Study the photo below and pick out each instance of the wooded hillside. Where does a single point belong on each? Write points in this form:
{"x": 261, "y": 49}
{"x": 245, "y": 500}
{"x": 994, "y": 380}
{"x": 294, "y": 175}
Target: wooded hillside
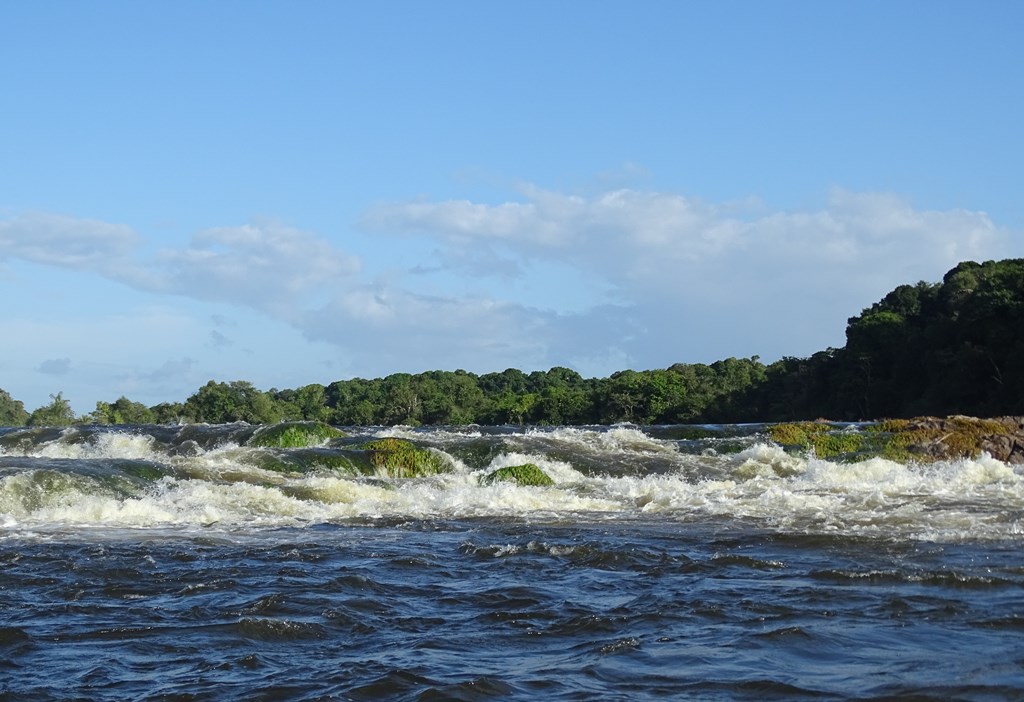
{"x": 955, "y": 347}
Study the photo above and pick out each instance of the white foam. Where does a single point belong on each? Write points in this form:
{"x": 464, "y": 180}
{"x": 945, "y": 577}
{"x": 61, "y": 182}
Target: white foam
{"x": 947, "y": 500}
{"x": 616, "y": 439}
{"x": 402, "y": 431}
{"x": 113, "y": 444}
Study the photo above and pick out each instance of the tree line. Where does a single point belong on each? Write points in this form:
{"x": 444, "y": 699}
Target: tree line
{"x": 955, "y": 347}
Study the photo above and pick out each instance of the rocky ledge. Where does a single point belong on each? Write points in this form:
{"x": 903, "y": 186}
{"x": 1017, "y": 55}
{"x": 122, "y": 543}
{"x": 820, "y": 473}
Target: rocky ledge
{"x": 955, "y": 437}
{"x": 919, "y": 438}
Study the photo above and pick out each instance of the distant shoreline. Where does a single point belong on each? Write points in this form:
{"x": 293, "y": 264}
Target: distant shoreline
{"x": 942, "y": 349}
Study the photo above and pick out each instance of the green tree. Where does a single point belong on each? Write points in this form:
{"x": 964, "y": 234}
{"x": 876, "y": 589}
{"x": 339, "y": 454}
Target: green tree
{"x": 510, "y": 408}
{"x": 168, "y": 413}
{"x": 401, "y": 402}
{"x": 509, "y": 380}
{"x": 311, "y": 401}
{"x": 12, "y": 412}
{"x": 450, "y": 397}
{"x": 622, "y": 398}
{"x": 121, "y": 411}
{"x": 56, "y": 414}
{"x": 642, "y": 397}
{"x": 701, "y": 391}
{"x": 565, "y": 397}
{"x": 566, "y": 404}
{"x": 237, "y": 401}
{"x": 353, "y": 402}
{"x": 950, "y": 348}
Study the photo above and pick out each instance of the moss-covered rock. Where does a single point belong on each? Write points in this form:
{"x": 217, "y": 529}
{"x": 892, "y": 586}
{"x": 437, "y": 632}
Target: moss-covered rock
{"x": 921, "y": 438}
{"x": 294, "y": 435}
{"x": 525, "y": 474}
{"x": 938, "y": 438}
{"x": 826, "y": 440}
{"x": 398, "y": 458}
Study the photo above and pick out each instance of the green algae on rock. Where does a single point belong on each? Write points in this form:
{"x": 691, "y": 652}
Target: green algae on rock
{"x": 826, "y": 440}
{"x": 399, "y": 458}
{"x": 526, "y": 474}
{"x": 294, "y": 435}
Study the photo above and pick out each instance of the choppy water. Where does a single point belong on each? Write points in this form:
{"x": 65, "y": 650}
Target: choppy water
{"x": 164, "y": 563}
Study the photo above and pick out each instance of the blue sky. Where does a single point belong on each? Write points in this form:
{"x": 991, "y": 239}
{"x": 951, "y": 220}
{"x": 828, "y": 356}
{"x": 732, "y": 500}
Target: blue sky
{"x": 293, "y": 193}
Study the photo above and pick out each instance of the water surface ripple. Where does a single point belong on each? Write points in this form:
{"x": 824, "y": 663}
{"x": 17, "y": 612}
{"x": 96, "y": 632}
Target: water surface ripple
{"x": 130, "y": 572}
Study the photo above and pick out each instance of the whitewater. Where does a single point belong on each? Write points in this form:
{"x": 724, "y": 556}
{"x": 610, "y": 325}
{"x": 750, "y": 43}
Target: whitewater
{"x": 182, "y": 562}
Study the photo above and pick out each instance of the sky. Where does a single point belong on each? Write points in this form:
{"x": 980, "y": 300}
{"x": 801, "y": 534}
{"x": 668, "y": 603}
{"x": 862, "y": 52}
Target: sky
{"x": 301, "y": 192}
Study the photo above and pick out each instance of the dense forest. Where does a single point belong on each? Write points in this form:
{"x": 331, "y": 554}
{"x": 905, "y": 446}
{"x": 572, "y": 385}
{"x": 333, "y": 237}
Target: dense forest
{"x": 955, "y": 347}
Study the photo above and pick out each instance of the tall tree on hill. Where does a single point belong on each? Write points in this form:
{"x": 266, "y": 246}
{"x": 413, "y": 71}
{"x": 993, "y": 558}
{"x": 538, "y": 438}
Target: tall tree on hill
{"x": 955, "y": 347}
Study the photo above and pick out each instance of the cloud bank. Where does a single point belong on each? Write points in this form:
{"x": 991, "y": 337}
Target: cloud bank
{"x": 639, "y": 239}
{"x": 682, "y": 279}
{"x": 695, "y": 280}
{"x": 67, "y": 242}
{"x": 269, "y": 266}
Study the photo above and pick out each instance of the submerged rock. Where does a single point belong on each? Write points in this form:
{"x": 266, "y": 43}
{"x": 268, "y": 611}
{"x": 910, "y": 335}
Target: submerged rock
{"x": 525, "y": 474}
{"x": 315, "y": 460}
{"x": 479, "y": 453}
{"x": 398, "y": 458}
{"x": 187, "y": 448}
{"x": 294, "y": 435}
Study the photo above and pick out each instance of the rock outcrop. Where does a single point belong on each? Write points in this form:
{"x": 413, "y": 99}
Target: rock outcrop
{"x": 525, "y": 474}
{"x": 938, "y": 438}
{"x": 919, "y": 439}
{"x": 294, "y": 435}
{"x": 398, "y": 458}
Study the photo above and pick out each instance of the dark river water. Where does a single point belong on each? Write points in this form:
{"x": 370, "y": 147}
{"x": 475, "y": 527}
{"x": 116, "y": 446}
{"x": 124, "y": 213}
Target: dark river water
{"x": 656, "y": 566}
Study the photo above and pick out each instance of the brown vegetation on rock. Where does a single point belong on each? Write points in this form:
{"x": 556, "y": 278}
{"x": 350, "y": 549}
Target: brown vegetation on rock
{"x": 959, "y": 437}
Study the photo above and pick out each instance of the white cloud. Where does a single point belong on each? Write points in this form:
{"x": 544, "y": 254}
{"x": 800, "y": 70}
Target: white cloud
{"x": 690, "y": 280}
{"x": 626, "y": 234}
{"x": 171, "y": 370}
{"x": 387, "y": 329}
{"x": 267, "y": 266}
{"x": 703, "y": 280}
{"x": 68, "y": 242}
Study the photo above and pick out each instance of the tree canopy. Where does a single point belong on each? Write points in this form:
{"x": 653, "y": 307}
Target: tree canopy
{"x": 955, "y": 347}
